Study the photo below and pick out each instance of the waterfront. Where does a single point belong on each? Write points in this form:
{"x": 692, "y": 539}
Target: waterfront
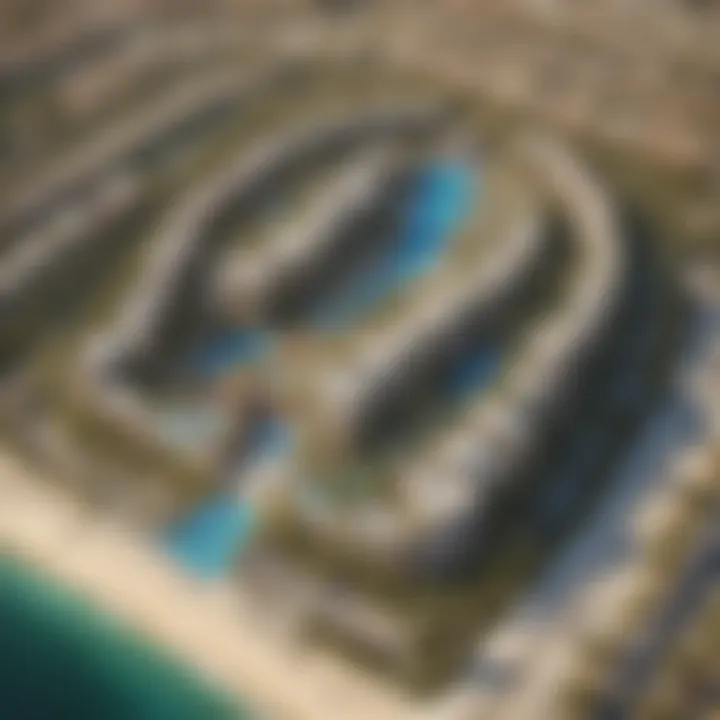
{"x": 62, "y": 660}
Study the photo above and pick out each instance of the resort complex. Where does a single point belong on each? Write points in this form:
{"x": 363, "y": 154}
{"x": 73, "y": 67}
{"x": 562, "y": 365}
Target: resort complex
{"x": 360, "y": 360}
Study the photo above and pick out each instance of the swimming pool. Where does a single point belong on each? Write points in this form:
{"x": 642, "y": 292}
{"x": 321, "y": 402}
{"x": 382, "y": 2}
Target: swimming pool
{"x": 441, "y": 198}
{"x": 209, "y": 540}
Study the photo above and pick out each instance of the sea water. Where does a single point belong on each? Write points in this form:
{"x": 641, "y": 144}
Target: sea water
{"x": 63, "y": 660}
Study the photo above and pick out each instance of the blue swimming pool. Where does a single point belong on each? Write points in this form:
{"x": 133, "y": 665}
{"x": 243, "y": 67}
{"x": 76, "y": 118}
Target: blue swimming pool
{"x": 209, "y": 540}
{"x": 441, "y": 198}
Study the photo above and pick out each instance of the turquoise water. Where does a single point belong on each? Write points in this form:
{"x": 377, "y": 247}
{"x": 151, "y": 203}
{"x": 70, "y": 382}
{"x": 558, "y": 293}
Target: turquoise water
{"x": 210, "y": 540}
{"x": 441, "y": 199}
{"x": 63, "y": 660}
{"x": 194, "y": 425}
{"x": 214, "y": 535}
